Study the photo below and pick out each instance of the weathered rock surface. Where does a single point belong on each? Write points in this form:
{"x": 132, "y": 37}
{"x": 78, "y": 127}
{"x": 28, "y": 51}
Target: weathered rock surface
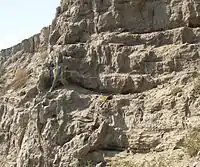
{"x": 145, "y": 54}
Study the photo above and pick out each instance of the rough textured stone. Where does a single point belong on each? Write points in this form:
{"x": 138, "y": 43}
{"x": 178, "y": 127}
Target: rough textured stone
{"x": 133, "y": 87}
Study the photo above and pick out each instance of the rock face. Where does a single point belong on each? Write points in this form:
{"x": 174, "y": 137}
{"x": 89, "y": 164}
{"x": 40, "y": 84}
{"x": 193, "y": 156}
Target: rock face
{"x": 133, "y": 87}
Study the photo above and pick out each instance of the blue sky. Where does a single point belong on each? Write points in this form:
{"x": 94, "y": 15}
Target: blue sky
{"x": 20, "y": 19}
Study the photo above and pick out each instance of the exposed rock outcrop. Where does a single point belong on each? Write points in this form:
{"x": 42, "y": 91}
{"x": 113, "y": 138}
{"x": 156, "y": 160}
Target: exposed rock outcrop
{"x": 132, "y": 69}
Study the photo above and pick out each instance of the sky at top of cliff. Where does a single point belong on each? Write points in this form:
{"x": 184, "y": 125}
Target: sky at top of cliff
{"x": 20, "y": 19}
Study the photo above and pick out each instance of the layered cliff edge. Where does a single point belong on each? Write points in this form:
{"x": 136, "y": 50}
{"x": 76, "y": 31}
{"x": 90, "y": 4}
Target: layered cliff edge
{"x": 132, "y": 97}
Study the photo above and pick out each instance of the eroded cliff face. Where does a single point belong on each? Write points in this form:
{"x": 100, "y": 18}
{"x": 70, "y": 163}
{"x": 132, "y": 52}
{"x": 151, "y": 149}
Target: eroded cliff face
{"x": 143, "y": 54}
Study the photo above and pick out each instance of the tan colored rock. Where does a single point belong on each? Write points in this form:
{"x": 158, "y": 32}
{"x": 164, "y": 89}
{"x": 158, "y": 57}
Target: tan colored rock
{"x": 143, "y": 55}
